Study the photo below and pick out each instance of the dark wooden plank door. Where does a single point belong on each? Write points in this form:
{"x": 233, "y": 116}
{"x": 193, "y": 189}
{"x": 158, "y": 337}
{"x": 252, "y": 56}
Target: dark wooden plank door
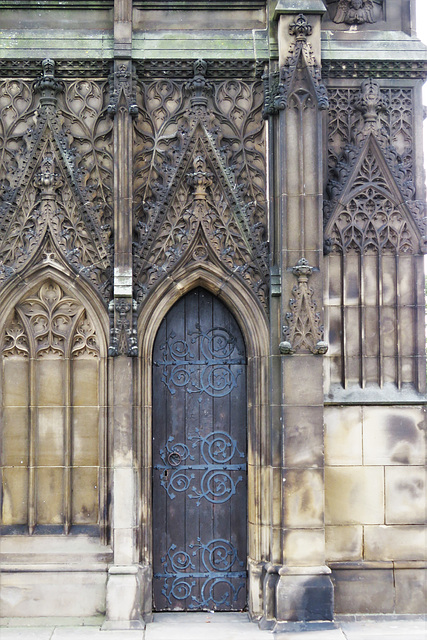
{"x": 199, "y": 458}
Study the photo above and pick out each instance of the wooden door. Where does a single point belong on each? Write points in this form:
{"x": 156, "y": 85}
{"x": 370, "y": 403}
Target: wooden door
{"x": 199, "y": 458}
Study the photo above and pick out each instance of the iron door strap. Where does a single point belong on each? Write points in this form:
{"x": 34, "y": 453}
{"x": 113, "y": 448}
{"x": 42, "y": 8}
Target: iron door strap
{"x": 220, "y": 476}
{"x": 222, "y": 577}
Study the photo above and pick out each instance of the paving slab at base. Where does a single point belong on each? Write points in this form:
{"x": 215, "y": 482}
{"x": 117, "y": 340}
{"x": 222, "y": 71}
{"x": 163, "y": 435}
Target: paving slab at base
{"x": 386, "y": 630}
{"x": 15, "y": 633}
{"x": 203, "y": 626}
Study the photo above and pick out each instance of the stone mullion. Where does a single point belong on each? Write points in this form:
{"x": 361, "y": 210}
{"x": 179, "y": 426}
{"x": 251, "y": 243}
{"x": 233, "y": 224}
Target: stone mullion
{"x": 33, "y": 415}
{"x": 302, "y": 587}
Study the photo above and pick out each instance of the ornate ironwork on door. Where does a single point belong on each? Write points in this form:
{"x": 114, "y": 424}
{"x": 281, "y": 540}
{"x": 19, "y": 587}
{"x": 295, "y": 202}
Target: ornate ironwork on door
{"x": 199, "y": 458}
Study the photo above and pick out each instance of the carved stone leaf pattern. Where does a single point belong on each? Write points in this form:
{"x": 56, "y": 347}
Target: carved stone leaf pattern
{"x": 17, "y": 116}
{"x": 22, "y": 236}
{"x": 224, "y": 126}
{"x": 15, "y": 342}
{"x": 85, "y": 340}
{"x": 89, "y": 131}
{"x": 244, "y": 147}
{"x": 49, "y": 316}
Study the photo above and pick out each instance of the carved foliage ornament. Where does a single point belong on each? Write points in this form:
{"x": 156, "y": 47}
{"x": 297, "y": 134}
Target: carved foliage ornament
{"x": 300, "y": 71}
{"x": 199, "y": 174}
{"x": 303, "y": 331}
{"x": 123, "y": 328}
{"x": 56, "y": 176}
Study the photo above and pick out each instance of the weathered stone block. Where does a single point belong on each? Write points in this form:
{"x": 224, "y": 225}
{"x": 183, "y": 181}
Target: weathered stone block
{"x": 395, "y": 543}
{"x": 50, "y": 436}
{"x": 363, "y": 590}
{"x": 405, "y": 495}
{"x": 123, "y": 599}
{"x": 85, "y": 382}
{"x": 393, "y": 435}
{"x": 49, "y": 499}
{"x": 343, "y": 436}
{"x": 303, "y": 436}
{"x": 15, "y": 443}
{"x": 354, "y": 495}
{"x": 304, "y": 598}
{"x": 15, "y": 389}
{"x": 411, "y": 590}
{"x": 85, "y": 434}
{"x": 85, "y": 482}
{"x": 14, "y": 509}
{"x": 303, "y": 498}
{"x": 344, "y": 543}
{"x": 303, "y": 547}
{"x": 50, "y": 387}
{"x": 302, "y": 375}
{"x": 43, "y": 594}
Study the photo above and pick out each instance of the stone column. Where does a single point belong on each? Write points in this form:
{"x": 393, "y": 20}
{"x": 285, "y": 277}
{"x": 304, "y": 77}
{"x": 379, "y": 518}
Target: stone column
{"x": 123, "y": 587}
{"x": 298, "y": 585}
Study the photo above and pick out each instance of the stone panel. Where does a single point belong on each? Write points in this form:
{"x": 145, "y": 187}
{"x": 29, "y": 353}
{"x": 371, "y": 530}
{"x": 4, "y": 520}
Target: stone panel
{"x": 343, "y": 436}
{"x": 411, "y": 590}
{"x": 49, "y": 498}
{"x": 398, "y": 543}
{"x": 303, "y": 547}
{"x": 15, "y": 436}
{"x": 344, "y": 543}
{"x": 354, "y": 495}
{"x": 405, "y": 495}
{"x": 15, "y": 389}
{"x": 303, "y": 436}
{"x": 85, "y": 382}
{"x": 14, "y": 507}
{"x": 303, "y": 498}
{"x": 363, "y": 590}
{"x": 393, "y": 435}
{"x": 44, "y": 594}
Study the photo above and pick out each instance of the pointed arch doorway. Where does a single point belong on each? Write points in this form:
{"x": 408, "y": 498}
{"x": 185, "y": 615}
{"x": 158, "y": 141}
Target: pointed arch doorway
{"x": 199, "y": 458}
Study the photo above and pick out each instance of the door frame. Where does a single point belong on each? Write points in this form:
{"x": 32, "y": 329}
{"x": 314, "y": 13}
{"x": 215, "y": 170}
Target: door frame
{"x": 253, "y": 323}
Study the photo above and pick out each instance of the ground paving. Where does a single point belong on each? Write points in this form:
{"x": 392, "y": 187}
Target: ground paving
{"x": 219, "y": 626}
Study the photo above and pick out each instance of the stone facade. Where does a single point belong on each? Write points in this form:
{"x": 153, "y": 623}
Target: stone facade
{"x": 268, "y": 151}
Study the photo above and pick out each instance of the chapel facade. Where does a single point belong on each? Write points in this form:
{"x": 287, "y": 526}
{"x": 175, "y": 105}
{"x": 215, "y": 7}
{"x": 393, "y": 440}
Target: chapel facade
{"x": 213, "y": 374}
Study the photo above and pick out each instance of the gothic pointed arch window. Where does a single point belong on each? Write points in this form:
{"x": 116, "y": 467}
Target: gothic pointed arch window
{"x": 52, "y": 424}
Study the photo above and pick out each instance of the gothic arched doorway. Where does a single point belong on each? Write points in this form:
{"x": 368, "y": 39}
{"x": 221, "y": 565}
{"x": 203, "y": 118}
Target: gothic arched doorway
{"x": 199, "y": 458}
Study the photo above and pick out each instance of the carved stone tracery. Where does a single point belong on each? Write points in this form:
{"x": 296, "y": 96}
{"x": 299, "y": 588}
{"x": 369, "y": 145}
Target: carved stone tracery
{"x": 371, "y": 170}
{"x": 199, "y": 164}
{"x": 55, "y": 175}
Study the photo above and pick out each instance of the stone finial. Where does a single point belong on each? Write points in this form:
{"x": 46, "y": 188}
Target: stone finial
{"x": 198, "y": 87}
{"x": 301, "y": 29}
{"x": 47, "y": 85}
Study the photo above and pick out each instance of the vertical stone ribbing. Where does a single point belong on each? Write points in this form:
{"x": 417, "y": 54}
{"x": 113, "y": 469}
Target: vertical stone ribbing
{"x": 302, "y": 589}
{"x": 123, "y": 592}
